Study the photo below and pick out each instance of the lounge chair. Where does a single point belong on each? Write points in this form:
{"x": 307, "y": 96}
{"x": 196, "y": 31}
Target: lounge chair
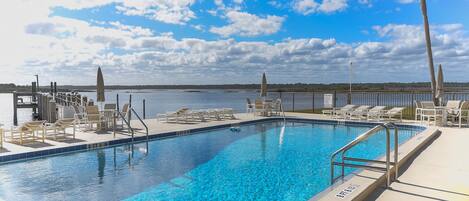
{"x": 342, "y": 112}
{"x": 359, "y": 112}
{"x": 460, "y": 113}
{"x": 427, "y": 112}
{"x": 60, "y": 125}
{"x": 418, "y": 108}
{"x": 277, "y": 107}
{"x": 123, "y": 114}
{"x": 249, "y": 106}
{"x": 93, "y": 116}
{"x": 227, "y": 113}
{"x": 196, "y": 115}
{"x": 28, "y": 132}
{"x": 396, "y": 111}
{"x": 79, "y": 115}
{"x": 376, "y": 113}
{"x": 452, "y": 106}
{"x": 177, "y": 116}
{"x": 109, "y": 113}
{"x": 259, "y": 107}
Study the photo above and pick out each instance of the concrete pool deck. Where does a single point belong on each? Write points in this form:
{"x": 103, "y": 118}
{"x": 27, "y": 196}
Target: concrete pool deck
{"x": 439, "y": 172}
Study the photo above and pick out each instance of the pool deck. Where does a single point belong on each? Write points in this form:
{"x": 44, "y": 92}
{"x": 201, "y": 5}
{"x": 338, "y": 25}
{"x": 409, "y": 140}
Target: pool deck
{"x": 439, "y": 172}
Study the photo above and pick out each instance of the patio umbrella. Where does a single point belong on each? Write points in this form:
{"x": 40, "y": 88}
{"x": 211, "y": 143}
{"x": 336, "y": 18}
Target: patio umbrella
{"x": 100, "y": 86}
{"x": 264, "y": 86}
{"x": 440, "y": 92}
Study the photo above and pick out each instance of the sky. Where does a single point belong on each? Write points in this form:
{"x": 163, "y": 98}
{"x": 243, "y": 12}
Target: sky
{"x": 141, "y": 42}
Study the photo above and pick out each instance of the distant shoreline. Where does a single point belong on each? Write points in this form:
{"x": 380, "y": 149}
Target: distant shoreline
{"x": 298, "y": 87}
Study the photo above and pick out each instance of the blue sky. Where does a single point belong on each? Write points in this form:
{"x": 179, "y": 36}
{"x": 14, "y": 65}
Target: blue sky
{"x": 230, "y": 41}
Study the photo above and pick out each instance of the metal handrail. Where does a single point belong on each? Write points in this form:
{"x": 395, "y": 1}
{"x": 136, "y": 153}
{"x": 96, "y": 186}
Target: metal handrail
{"x": 283, "y": 112}
{"x": 141, "y": 120}
{"x": 361, "y": 138}
{"x": 126, "y": 122}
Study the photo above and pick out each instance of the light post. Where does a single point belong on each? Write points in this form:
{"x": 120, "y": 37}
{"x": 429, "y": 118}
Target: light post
{"x": 37, "y": 82}
{"x": 349, "y": 97}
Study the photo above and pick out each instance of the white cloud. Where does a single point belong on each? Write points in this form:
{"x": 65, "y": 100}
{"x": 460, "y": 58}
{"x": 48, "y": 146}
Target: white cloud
{"x": 168, "y": 11}
{"x": 246, "y": 24}
{"x": 68, "y": 51}
{"x": 307, "y": 7}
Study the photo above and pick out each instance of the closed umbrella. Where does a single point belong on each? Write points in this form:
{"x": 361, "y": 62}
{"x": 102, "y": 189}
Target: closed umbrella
{"x": 264, "y": 86}
{"x": 440, "y": 92}
{"x": 100, "y": 86}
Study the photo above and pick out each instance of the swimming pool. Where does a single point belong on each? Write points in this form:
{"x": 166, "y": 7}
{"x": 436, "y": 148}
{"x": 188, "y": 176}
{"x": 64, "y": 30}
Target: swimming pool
{"x": 256, "y": 163}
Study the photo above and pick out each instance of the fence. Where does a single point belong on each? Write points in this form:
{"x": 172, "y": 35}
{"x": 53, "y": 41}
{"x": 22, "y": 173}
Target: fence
{"x": 314, "y": 101}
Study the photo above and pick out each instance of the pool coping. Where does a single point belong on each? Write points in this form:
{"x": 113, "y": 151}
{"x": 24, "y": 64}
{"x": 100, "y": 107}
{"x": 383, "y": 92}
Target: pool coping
{"x": 362, "y": 183}
{"x": 34, "y": 154}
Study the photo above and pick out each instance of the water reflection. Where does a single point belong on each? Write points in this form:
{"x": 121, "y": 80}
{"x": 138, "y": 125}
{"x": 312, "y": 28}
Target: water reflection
{"x": 261, "y": 129}
{"x": 101, "y": 164}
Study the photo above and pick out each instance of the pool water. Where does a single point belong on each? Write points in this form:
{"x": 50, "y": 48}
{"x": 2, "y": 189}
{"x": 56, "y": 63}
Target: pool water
{"x": 256, "y": 163}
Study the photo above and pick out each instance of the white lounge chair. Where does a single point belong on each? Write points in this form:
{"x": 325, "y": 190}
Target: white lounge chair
{"x": 79, "y": 115}
{"x": 176, "y": 116}
{"x": 460, "y": 113}
{"x": 342, "y": 112}
{"x": 358, "y": 112}
{"x": 375, "y": 113}
{"x": 332, "y": 111}
{"x": 227, "y": 113}
{"x": 452, "y": 106}
{"x": 249, "y": 106}
{"x": 427, "y": 112}
{"x": 259, "y": 107}
{"x": 396, "y": 111}
{"x": 277, "y": 107}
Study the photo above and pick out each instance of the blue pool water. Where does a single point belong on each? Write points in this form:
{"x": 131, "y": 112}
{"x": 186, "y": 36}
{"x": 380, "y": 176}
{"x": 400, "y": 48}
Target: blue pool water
{"x": 257, "y": 163}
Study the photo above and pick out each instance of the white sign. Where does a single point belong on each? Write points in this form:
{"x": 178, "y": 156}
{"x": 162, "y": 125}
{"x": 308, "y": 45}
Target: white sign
{"x": 328, "y": 100}
{"x": 347, "y": 191}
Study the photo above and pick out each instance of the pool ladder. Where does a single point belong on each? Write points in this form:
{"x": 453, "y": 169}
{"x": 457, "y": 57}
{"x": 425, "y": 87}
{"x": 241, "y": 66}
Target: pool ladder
{"x": 127, "y": 122}
{"x": 387, "y": 169}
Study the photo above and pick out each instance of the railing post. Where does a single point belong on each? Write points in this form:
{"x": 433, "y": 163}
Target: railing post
{"x": 144, "y": 109}
{"x": 388, "y": 157}
{"x": 130, "y": 106}
{"x": 412, "y": 104}
{"x": 15, "y": 108}
{"x": 313, "y": 101}
{"x": 343, "y": 166}
{"x": 396, "y": 151}
{"x": 117, "y": 102}
{"x": 335, "y": 99}
{"x": 332, "y": 170}
{"x": 293, "y": 103}
{"x": 377, "y": 98}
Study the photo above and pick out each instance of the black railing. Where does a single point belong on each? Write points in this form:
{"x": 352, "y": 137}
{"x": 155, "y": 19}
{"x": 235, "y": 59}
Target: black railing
{"x": 314, "y": 101}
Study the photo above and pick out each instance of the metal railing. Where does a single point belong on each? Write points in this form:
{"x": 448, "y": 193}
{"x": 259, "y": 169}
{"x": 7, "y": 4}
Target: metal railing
{"x": 124, "y": 119}
{"x": 141, "y": 120}
{"x": 387, "y": 169}
{"x": 283, "y": 113}
{"x": 314, "y": 100}
{"x": 127, "y": 122}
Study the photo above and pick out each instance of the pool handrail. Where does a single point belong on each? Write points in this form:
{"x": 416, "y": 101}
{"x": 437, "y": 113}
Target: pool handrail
{"x": 126, "y": 122}
{"x": 361, "y": 138}
{"x": 141, "y": 121}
